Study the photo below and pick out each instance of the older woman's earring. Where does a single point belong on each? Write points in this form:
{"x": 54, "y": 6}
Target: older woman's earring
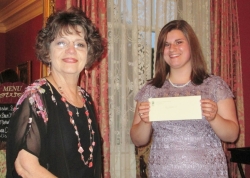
{"x": 49, "y": 69}
{"x": 86, "y": 77}
{"x": 86, "y": 72}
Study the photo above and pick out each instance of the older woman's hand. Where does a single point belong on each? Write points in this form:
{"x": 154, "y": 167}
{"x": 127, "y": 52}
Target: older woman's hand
{"x": 209, "y": 109}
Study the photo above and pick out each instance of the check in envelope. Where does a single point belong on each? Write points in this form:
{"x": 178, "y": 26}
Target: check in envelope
{"x": 175, "y": 108}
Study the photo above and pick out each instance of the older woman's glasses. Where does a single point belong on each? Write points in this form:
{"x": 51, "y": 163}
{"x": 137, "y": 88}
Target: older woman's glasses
{"x": 63, "y": 43}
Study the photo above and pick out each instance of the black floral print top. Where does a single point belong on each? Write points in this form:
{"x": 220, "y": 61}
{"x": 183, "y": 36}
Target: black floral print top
{"x": 41, "y": 125}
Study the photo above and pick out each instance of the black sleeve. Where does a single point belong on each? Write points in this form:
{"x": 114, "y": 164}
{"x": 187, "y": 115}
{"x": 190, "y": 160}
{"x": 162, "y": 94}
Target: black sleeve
{"x": 24, "y": 132}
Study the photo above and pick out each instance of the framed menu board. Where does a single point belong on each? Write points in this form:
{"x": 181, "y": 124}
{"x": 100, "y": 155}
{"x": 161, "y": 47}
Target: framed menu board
{"x": 6, "y": 111}
{"x": 9, "y": 95}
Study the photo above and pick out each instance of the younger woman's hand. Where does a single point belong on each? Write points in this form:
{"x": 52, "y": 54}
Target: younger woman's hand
{"x": 209, "y": 109}
{"x": 143, "y": 111}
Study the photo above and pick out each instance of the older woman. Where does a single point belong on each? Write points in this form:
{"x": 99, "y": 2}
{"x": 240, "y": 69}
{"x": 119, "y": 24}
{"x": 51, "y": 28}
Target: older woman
{"x": 53, "y": 131}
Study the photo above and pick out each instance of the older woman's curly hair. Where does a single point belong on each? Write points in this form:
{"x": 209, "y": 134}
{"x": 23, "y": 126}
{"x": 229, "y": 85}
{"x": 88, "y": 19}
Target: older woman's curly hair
{"x": 61, "y": 22}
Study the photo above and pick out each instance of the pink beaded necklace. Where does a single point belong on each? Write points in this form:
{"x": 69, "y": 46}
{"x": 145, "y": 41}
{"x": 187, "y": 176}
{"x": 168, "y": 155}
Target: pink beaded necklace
{"x": 88, "y": 161}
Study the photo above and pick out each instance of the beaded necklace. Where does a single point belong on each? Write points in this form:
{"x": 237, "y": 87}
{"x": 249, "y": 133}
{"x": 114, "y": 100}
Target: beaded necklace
{"x": 89, "y": 161}
{"x": 179, "y": 86}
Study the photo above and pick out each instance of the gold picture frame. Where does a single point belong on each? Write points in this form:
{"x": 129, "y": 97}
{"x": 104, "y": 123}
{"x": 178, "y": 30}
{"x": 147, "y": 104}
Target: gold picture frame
{"x": 48, "y": 8}
{"x": 24, "y": 72}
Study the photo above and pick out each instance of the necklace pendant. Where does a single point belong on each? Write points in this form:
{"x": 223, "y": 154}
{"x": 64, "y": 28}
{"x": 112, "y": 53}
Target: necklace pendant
{"x": 77, "y": 113}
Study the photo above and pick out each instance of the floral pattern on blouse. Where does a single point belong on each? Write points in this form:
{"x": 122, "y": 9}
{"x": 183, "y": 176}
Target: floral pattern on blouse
{"x": 35, "y": 99}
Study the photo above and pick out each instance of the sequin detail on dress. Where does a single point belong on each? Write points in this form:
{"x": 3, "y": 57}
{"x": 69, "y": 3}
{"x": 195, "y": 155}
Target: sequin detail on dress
{"x": 186, "y": 149}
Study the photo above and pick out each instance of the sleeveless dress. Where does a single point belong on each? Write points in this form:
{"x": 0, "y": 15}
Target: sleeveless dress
{"x": 186, "y": 149}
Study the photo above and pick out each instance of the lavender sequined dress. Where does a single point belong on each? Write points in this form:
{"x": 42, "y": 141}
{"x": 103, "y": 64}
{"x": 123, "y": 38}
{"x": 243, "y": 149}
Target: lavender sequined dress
{"x": 186, "y": 149}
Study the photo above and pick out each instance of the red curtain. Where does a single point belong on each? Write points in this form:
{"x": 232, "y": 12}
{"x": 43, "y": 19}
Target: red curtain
{"x": 95, "y": 81}
{"x": 226, "y": 59}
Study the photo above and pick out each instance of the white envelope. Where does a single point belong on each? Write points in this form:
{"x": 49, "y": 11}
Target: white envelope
{"x": 175, "y": 108}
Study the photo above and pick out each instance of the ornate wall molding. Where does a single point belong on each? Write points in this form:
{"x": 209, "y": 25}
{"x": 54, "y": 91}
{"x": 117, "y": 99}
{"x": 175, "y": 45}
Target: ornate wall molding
{"x": 19, "y": 12}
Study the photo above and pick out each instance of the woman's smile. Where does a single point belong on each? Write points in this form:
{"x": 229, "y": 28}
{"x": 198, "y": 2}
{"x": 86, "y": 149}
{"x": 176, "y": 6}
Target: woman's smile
{"x": 70, "y": 60}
